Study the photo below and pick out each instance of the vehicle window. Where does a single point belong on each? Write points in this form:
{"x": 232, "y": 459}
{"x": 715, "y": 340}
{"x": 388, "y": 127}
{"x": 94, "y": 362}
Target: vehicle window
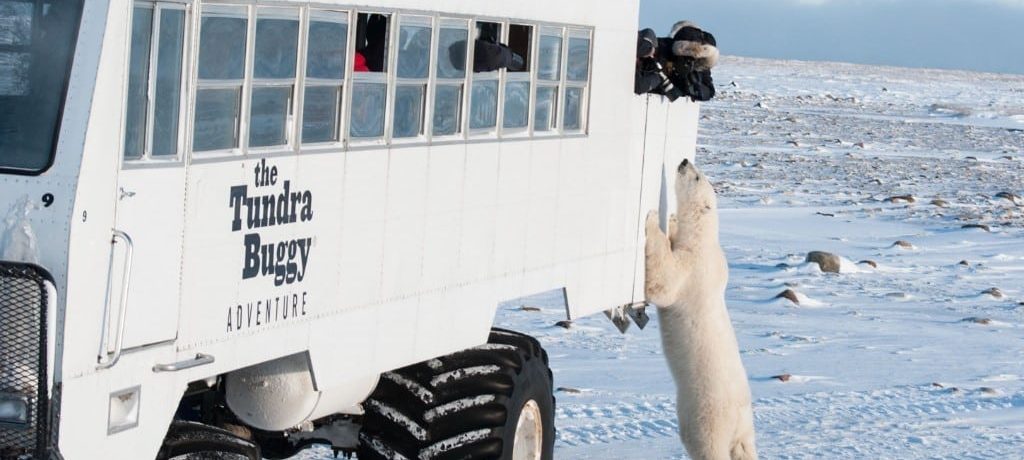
{"x": 550, "y": 55}
{"x": 368, "y": 102}
{"x": 138, "y": 83}
{"x": 549, "y": 71}
{"x": 573, "y": 104}
{"x": 414, "y": 36}
{"x": 153, "y": 131}
{"x": 544, "y": 110}
{"x": 372, "y": 31}
{"x": 325, "y": 76}
{"x": 409, "y": 101}
{"x": 517, "y": 88}
{"x": 37, "y": 41}
{"x": 517, "y": 104}
{"x": 222, "y": 43}
{"x": 578, "y": 65}
{"x": 577, "y": 74}
{"x": 483, "y": 110}
{"x": 520, "y": 41}
{"x": 168, "y": 85}
{"x": 450, "y": 77}
{"x": 274, "y": 63}
{"x": 369, "y": 85}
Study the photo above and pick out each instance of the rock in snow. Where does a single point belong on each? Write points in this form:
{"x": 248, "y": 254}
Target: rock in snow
{"x": 827, "y": 261}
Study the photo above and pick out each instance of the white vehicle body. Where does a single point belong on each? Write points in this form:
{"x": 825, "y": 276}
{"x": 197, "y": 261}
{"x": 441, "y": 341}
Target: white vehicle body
{"x": 385, "y": 251}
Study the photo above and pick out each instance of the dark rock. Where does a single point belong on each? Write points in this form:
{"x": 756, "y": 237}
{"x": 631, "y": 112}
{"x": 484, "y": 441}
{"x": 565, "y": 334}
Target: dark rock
{"x": 526, "y": 308}
{"x": 977, "y": 320}
{"x": 564, "y": 324}
{"x": 782, "y": 266}
{"x": 572, "y": 391}
{"x": 782, "y": 377}
{"x": 1011, "y": 197}
{"x": 901, "y": 199}
{"x": 825, "y": 214}
{"x": 971, "y": 158}
{"x": 789, "y": 295}
{"x": 826, "y": 261}
{"x": 937, "y": 385}
{"x": 988, "y": 390}
{"x": 994, "y": 292}
{"x": 870, "y": 263}
{"x": 979, "y": 226}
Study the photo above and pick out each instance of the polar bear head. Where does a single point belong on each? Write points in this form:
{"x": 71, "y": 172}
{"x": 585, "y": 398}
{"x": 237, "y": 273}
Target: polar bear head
{"x": 694, "y": 193}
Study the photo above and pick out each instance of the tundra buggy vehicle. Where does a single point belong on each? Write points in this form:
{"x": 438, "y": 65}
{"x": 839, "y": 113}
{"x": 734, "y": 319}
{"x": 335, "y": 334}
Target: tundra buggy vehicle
{"x": 236, "y": 228}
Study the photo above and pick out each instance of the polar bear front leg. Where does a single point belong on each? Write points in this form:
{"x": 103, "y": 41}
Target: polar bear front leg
{"x": 664, "y": 277}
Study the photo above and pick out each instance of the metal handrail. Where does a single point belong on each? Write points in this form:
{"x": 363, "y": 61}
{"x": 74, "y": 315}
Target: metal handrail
{"x": 201, "y": 359}
{"x": 106, "y": 359}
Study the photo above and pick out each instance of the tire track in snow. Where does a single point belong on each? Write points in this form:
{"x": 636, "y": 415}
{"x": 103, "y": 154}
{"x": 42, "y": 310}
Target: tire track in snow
{"x": 897, "y": 422}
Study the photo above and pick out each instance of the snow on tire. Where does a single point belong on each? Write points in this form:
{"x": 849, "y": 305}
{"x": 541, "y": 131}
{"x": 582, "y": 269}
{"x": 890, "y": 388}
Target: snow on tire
{"x": 467, "y": 405}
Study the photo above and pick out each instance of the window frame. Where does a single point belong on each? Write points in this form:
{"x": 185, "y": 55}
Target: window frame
{"x": 529, "y": 77}
{"x": 450, "y": 22}
{"x": 497, "y": 75}
{"x": 557, "y": 84}
{"x": 386, "y": 78}
{"x": 582, "y": 85}
{"x": 431, "y": 23}
{"x": 241, "y": 125}
{"x": 306, "y": 14}
{"x": 291, "y": 127}
{"x": 183, "y": 145}
{"x": 309, "y": 15}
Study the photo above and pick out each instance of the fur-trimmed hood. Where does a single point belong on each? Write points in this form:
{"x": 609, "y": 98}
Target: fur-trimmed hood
{"x": 692, "y": 42}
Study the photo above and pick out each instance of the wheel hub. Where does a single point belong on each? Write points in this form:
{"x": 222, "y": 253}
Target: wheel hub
{"x": 529, "y": 433}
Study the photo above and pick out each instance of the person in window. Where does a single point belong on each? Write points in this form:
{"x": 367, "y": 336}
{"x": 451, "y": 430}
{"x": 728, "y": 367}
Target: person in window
{"x": 360, "y": 63}
{"x": 488, "y": 56}
{"x": 372, "y": 41}
{"x": 676, "y": 66}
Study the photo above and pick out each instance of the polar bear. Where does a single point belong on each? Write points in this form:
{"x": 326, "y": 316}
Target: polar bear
{"x": 686, "y": 278}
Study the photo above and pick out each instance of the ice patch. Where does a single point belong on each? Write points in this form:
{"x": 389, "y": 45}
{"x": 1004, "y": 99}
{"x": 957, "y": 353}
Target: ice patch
{"x": 17, "y": 238}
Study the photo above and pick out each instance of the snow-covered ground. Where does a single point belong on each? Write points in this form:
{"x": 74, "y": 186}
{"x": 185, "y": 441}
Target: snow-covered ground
{"x": 904, "y": 357}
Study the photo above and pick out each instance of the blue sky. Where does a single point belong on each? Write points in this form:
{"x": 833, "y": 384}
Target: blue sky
{"x": 985, "y": 35}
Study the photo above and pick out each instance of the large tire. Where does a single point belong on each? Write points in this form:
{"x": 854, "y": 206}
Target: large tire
{"x": 197, "y": 441}
{"x": 467, "y": 405}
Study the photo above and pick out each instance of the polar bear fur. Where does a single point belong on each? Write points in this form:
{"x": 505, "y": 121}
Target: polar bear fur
{"x": 686, "y": 279}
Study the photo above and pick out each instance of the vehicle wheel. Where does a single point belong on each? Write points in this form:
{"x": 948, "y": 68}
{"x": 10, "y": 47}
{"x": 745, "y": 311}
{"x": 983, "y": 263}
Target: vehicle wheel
{"x": 197, "y": 441}
{"x": 490, "y": 402}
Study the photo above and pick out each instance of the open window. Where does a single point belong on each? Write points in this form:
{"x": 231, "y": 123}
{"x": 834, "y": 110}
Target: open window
{"x": 155, "y": 82}
{"x": 483, "y": 110}
{"x": 412, "y": 73}
{"x": 517, "y": 84}
{"x": 326, "y": 67}
{"x": 222, "y": 43}
{"x": 370, "y": 83}
{"x": 450, "y": 76}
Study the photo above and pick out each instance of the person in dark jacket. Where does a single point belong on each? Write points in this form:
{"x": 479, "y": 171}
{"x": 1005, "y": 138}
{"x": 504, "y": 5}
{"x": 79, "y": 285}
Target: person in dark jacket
{"x": 488, "y": 56}
{"x": 678, "y": 65}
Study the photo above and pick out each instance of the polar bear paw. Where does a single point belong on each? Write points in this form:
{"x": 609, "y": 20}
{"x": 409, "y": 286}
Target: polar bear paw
{"x": 653, "y": 223}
